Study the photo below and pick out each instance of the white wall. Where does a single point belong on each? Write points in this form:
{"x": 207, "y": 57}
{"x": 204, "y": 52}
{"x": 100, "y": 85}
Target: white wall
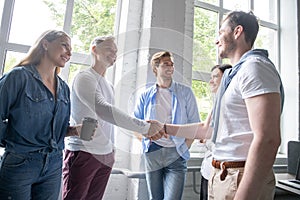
{"x": 289, "y": 69}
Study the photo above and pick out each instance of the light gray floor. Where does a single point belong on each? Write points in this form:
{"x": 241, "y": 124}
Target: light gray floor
{"x": 189, "y": 194}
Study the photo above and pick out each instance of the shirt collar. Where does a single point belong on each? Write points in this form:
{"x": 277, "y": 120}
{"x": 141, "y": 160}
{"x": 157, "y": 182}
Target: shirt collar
{"x": 32, "y": 69}
{"x": 171, "y": 88}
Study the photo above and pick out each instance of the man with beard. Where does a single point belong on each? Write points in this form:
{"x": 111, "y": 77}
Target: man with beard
{"x": 247, "y": 133}
{"x": 246, "y": 116}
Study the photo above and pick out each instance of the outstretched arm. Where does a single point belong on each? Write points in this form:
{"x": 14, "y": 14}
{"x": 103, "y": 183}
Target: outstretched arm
{"x": 85, "y": 89}
{"x": 199, "y": 130}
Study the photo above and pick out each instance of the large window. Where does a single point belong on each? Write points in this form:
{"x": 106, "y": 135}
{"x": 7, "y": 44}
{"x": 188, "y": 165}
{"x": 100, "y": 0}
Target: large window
{"x": 82, "y": 19}
{"x": 207, "y": 17}
{"x": 28, "y": 22}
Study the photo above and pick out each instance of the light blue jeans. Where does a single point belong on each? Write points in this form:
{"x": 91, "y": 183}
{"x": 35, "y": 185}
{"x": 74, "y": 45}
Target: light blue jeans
{"x": 165, "y": 173}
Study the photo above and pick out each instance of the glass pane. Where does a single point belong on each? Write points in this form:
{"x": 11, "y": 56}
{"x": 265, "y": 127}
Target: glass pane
{"x": 12, "y": 59}
{"x": 226, "y": 61}
{"x": 29, "y": 21}
{"x": 203, "y": 96}
{"x": 236, "y": 5}
{"x": 266, "y": 10}
{"x": 91, "y": 18}
{"x": 214, "y": 2}
{"x": 74, "y": 69}
{"x": 205, "y": 32}
{"x": 267, "y": 39}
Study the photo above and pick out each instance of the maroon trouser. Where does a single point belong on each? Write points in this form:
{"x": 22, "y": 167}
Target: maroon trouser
{"x": 85, "y": 175}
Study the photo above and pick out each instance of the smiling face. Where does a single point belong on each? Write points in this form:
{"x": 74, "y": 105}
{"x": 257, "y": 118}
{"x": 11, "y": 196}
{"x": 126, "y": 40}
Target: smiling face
{"x": 215, "y": 80}
{"x": 107, "y": 52}
{"x": 165, "y": 68}
{"x": 58, "y": 51}
{"x": 225, "y": 42}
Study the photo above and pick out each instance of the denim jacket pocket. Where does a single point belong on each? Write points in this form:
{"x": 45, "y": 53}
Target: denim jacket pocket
{"x": 36, "y": 102}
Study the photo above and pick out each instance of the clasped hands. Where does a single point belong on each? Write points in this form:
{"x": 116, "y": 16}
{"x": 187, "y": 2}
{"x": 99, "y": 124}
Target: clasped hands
{"x": 156, "y": 130}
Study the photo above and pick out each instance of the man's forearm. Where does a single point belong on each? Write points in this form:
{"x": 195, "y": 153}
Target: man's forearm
{"x": 190, "y": 131}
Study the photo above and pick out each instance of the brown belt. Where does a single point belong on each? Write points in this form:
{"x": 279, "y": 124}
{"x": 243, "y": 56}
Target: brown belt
{"x": 225, "y": 165}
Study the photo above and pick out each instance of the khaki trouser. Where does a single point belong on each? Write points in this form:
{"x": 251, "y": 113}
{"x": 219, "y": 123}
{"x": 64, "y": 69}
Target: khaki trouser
{"x": 226, "y": 189}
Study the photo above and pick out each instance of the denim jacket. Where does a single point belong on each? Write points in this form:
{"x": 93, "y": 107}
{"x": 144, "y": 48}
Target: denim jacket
{"x": 184, "y": 110}
{"x": 31, "y": 118}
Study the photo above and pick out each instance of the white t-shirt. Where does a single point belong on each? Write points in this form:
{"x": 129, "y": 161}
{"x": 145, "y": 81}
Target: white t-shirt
{"x": 93, "y": 96}
{"x": 163, "y": 113}
{"x": 234, "y": 136}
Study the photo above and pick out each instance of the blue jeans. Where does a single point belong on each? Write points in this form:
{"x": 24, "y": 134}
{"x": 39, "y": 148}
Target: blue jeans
{"x": 35, "y": 175}
{"x": 165, "y": 173}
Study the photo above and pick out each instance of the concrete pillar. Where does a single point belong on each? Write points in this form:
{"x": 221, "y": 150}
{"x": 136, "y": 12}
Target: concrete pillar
{"x": 145, "y": 27}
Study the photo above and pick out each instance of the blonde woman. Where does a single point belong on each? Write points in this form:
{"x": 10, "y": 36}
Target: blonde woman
{"x": 35, "y": 112}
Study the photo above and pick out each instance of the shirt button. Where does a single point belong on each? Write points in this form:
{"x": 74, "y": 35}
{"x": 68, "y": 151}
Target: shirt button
{"x": 51, "y": 99}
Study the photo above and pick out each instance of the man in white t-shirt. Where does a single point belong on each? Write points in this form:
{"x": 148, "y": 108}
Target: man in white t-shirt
{"x": 246, "y": 117}
{"x": 247, "y": 133}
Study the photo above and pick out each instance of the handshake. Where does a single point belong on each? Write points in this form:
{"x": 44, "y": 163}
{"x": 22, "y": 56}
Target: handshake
{"x": 157, "y": 130}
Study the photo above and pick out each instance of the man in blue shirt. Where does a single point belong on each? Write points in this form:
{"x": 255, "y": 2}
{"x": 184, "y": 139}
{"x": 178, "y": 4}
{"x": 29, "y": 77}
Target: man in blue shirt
{"x": 167, "y": 102}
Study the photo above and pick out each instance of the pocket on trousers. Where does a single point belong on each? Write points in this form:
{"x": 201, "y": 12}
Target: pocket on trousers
{"x": 226, "y": 189}
{"x": 13, "y": 160}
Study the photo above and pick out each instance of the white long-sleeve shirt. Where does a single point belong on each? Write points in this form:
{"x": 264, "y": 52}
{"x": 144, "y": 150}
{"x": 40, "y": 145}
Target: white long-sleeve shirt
{"x": 93, "y": 96}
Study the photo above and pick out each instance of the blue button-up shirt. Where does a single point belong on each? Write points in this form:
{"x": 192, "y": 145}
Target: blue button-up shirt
{"x": 31, "y": 118}
{"x": 184, "y": 110}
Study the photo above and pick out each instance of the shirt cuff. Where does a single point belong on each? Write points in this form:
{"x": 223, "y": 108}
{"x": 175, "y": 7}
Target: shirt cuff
{"x": 146, "y": 128}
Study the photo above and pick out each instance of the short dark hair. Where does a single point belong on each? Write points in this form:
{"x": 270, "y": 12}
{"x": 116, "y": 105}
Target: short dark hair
{"x": 247, "y": 20}
{"x": 222, "y": 67}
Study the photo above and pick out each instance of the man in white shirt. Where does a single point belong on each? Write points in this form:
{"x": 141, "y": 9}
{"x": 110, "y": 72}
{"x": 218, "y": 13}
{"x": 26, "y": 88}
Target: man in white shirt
{"x": 88, "y": 164}
{"x": 248, "y": 132}
{"x": 246, "y": 118}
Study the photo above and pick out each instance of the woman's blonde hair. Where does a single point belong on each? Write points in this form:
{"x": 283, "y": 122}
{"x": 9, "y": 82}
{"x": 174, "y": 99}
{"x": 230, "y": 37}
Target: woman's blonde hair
{"x": 37, "y": 51}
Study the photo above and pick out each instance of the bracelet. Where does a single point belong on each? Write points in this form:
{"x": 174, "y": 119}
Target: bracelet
{"x": 165, "y": 128}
